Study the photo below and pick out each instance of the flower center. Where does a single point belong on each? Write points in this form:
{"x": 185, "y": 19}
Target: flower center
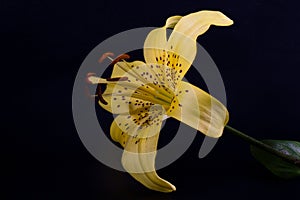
{"x": 151, "y": 83}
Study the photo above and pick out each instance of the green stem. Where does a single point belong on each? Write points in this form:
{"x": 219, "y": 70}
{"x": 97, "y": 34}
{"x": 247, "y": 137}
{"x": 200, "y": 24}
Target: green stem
{"x": 261, "y": 145}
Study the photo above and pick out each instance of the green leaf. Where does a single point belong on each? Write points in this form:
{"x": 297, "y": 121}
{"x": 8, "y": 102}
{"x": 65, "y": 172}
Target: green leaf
{"x": 277, "y": 165}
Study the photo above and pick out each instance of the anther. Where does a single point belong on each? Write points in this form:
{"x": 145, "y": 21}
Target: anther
{"x": 117, "y": 79}
{"x": 106, "y": 55}
{"x": 99, "y": 94}
{"x": 87, "y": 78}
{"x": 120, "y": 57}
{"x": 109, "y": 55}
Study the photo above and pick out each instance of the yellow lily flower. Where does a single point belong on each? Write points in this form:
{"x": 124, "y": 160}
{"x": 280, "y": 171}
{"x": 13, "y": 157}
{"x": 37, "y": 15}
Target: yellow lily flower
{"x": 143, "y": 94}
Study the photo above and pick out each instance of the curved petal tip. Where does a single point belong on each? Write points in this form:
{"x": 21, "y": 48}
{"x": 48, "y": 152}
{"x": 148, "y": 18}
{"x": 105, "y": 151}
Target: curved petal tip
{"x": 223, "y": 20}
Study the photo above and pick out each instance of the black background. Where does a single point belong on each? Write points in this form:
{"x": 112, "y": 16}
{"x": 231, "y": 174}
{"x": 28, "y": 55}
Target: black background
{"x": 43, "y": 45}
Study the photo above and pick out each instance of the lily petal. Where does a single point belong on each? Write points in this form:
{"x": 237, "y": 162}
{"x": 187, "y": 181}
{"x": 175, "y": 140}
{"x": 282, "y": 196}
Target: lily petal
{"x": 196, "y": 24}
{"x": 182, "y": 41}
{"x": 180, "y": 50}
{"x": 156, "y": 41}
{"x": 139, "y": 157}
{"x": 199, "y": 110}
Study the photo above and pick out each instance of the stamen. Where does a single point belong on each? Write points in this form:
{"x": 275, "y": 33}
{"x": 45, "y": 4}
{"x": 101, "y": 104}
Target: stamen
{"x": 120, "y": 57}
{"x": 98, "y": 89}
{"x": 109, "y": 55}
{"x": 105, "y": 55}
{"x": 114, "y": 61}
